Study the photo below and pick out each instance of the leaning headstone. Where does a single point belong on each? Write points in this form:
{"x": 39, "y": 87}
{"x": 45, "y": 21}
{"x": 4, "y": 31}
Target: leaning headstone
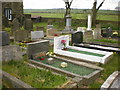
{"x": 11, "y": 52}
{"x": 28, "y": 24}
{"x": 4, "y": 37}
{"x": 15, "y": 25}
{"x": 35, "y": 35}
{"x": 77, "y": 37}
{"x": 49, "y": 26}
{"x": 37, "y": 47}
{"x": 20, "y": 35}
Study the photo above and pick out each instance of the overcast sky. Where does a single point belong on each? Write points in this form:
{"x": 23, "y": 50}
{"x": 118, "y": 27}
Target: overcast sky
{"x": 82, "y": 4}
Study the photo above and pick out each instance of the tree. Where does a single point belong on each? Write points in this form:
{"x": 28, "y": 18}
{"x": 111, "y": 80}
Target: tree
{"x": 95, "y": 10}
{"x": 67, "y": 5}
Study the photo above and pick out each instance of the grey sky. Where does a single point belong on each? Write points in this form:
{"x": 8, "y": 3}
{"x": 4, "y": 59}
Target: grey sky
{"x": 82, "y": 4}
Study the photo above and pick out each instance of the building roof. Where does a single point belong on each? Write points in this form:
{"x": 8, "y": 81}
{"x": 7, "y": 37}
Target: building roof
{"x": 11, "y": 0}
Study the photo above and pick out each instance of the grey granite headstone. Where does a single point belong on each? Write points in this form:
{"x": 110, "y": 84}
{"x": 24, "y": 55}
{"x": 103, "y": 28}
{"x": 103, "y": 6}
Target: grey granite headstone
{"x": 11, "y": 52}
{"x": 37, "y": 47}
{"x": 28, "y": 24}
{"x": 36, "y": 35}
{"x": 15, "y": 25}
{"x": 77, "y": 37}
{"x": 21, "y": 35}
{"x": 4, "y": 37}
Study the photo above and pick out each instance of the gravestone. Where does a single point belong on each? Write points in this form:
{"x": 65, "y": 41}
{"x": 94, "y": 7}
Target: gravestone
{"x": 109, "y": 32}
{"x": 11, "y": 52}
{"x": 77, "y": 37}
{"x": 104, "y": 32}
{"x": 37, "y": 47}
{"x": 39, "y": 28}
{"x": 15, "y": 25}
{"x": 21, "y": 35}
{"x": 49, "y": 26}
{"x": 36, "y": 35}
{"x": 97, "y": 32}
{"x": 79, "y": 28}
{"x": 52, "y": 32}
{"x": 87, "y": 36}
{"x": 28, "y": 24}
{"x": 4, "y": 37}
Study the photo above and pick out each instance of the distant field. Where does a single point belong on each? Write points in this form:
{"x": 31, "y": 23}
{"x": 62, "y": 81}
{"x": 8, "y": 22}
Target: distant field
{"x": 76, "y": 14}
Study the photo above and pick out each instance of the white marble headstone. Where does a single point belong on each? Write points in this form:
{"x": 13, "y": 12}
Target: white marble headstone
{"x": 57, "y": 41}
{"x": 37, "y": 35}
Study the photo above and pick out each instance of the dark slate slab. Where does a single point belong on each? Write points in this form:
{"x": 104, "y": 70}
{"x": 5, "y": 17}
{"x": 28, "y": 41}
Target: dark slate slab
{"x": 37, "y": 47}
{"x": 4, "y": 38}
{"x": 77, "y": 37}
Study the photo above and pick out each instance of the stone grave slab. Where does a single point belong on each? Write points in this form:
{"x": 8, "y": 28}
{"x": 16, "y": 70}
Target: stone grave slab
{"x": 90, "y": 55}
{"x": 37, "y": 47}
{"x": 4, "y": 37}
{"x": 35, "y": 35}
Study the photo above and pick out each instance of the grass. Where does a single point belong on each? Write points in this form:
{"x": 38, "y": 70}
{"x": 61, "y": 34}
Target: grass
{"x": 80, "y": 70}
{"x": 109, "y": 68}
{"x": 85, "y": 52}
{"x": 107, "y": 40}
{"x": 33, "y": 76}
{"x": 77, "y": 16}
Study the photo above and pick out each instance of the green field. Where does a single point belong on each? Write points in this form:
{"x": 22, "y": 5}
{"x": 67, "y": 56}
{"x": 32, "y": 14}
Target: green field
{"x": 76, "y": 14}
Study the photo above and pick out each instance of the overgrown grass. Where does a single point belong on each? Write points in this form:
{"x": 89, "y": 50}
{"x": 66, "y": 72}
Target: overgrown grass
{"x": 33, "y": 76}
{"x": 109, "y": 68}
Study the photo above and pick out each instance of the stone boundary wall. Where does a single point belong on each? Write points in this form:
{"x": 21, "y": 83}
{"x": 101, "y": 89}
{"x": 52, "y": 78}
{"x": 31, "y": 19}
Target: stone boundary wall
{"x": 80, "y": 21}
{"x": 13, "y": 82}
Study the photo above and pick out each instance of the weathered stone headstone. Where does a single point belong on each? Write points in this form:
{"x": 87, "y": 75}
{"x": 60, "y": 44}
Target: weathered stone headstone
{"x": 49, "y": 26}
{"x": 97, "y": 32}
{"x": 52, "y": 32}
{"x": 37, "y": 35}
{"x": 15, "y": 25}
{"x": 11, "y": 52}
{"x": 37, "y": 47}
{"x": 21, "y": 35}
{"x": 28, "y": 24}
{"x": 77, "y": 37}
{"x": 39, "y": 28}
{"x": 4, "y": 37}
{"x": 87, "y": 36}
